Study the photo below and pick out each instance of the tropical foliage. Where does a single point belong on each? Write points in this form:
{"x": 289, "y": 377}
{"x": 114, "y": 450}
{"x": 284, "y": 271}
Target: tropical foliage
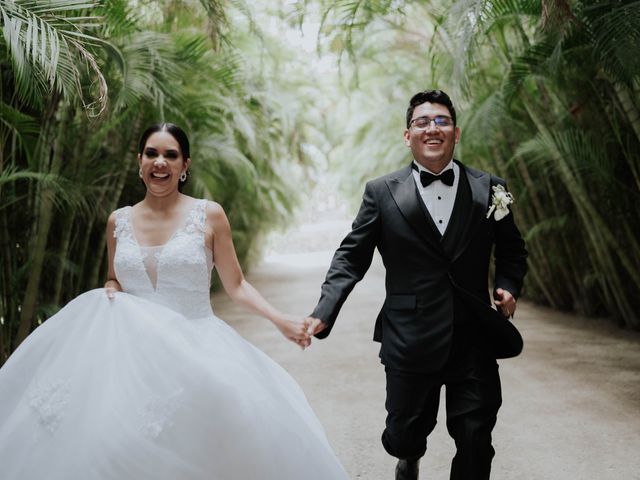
{"x": 548, "y": 95}
{"x": 79, "y": 82}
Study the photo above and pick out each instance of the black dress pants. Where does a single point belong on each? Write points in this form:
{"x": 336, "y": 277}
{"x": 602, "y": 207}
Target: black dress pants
{"x": 473, "y": 397}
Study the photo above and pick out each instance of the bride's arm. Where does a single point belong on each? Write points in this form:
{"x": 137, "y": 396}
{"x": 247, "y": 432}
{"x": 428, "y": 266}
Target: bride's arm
{"x": 111, "y": 285}
{"x": 234, "y": 283}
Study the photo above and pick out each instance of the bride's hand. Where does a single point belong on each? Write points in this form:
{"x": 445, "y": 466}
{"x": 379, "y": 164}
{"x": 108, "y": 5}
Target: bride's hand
{"x": 293, "y": 329}
{"x": 111, "y": 292}
{"x": 111, "y": 287}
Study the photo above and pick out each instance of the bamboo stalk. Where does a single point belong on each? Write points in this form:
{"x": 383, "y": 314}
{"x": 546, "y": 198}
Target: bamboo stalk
{"x": 63, "y": 252}
{"x": 633, "y": 117}
{"x": 43, "y": 221}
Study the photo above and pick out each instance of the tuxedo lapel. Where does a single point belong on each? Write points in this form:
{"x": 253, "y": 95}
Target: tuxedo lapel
{"x": 403, "y": 192}
{"x": 479, "y": 183}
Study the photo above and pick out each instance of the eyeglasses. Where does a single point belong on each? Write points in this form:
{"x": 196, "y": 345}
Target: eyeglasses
{"x": 422, "y": 123}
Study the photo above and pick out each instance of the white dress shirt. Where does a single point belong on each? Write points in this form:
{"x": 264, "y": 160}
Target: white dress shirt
{"x": 438, "y": 197}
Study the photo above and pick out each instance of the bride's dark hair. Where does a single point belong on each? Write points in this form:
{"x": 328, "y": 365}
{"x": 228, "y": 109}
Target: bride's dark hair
{"x": 174, "y": 130}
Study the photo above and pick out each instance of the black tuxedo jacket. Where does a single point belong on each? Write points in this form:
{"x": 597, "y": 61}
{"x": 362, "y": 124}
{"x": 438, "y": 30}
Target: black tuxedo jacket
{"x": 430, "y": 278}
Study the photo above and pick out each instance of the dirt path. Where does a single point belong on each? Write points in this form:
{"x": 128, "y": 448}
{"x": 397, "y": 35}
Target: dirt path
{"x": 571, "y": 406}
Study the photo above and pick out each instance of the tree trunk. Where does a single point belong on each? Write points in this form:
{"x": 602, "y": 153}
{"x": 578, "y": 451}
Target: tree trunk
{"x": 633, "y": 116}
{"x": 43, "y": 222}
{"x": 63, "y": 253}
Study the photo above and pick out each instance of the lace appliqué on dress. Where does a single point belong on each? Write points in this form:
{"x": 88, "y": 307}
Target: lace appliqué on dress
{"x": 196, "y": 221}
{"x": 157, "y": 414}
{"x": 49, "y": 402}
{"x": 123, "y": 227}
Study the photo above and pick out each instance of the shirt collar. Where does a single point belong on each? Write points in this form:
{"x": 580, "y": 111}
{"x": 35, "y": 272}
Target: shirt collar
{"x": 421, "y": 168}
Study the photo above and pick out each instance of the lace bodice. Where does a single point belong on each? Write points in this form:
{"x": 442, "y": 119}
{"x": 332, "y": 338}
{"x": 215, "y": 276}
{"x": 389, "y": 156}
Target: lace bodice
{"x": 176, "y": 274}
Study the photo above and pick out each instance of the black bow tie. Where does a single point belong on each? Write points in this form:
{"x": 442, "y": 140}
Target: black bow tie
{"x": 427, "y": 178}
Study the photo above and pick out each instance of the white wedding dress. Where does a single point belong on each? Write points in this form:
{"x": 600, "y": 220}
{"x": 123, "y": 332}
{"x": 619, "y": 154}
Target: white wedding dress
{"x": 152, "y": 385}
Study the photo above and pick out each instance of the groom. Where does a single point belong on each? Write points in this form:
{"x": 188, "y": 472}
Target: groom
{"x": 435, "y": 223}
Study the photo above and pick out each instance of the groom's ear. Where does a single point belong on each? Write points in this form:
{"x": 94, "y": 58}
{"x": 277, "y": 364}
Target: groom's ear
{"x": 407, "y": 138}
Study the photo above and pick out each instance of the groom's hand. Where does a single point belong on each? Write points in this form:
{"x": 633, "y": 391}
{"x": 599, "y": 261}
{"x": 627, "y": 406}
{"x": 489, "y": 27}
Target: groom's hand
{"x": 505, "y": 302}
{"x": 314, "y": 325}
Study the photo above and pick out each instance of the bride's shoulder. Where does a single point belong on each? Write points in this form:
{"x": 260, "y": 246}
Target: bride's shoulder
{"x": 216, "y": 216}
{"x": 214, "y": 210}
{"x": 119, "y": 216}
{"x": 115, "y": 222}
{"x": 111, "y": 224}
{"x": 118, "y": 213}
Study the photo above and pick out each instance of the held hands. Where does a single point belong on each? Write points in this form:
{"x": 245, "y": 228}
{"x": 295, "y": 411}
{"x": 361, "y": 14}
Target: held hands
{"x": 293, "y": 329}
{"x": 299, "y": 332}
{"x": 314, "y": 325}
{"x": 505, "y": 302}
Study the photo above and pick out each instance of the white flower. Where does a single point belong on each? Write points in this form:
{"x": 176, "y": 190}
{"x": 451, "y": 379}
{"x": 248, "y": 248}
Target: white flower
{"x": 500, "y": 201}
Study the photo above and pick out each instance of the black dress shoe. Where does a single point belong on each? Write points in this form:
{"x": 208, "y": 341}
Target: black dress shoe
{"x": 407, "y": 469}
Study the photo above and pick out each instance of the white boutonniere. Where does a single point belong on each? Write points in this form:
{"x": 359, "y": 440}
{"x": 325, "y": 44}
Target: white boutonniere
{"x": 500, "y": 201}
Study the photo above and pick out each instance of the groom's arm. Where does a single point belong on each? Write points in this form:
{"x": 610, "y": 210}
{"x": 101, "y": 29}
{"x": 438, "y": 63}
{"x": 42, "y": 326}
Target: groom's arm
{"x": 350, "y": 262}
{"x": 510, "y": 255}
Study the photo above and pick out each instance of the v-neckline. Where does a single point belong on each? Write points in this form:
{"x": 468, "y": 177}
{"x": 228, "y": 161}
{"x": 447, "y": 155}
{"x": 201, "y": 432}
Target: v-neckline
{"x": 183, "y": 225}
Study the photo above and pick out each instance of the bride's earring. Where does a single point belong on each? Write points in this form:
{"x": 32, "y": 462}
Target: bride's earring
{"x": 140, "y": 172}
{"x": 183, "y": 176}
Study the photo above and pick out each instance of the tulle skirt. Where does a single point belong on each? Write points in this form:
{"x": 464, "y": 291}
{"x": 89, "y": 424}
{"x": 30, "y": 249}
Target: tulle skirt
{"x": 129, "y": 390}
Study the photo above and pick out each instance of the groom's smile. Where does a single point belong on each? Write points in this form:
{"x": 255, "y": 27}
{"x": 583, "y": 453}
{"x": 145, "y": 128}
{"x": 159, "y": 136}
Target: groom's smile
{"x": 432, "y": 145}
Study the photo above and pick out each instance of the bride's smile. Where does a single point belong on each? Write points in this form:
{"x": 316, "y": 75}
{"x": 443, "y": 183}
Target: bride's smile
{"x": 162, "y": 164}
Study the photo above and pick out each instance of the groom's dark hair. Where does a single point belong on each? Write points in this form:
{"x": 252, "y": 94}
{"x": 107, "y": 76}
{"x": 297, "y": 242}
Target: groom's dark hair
{"x": 431, "y": 96}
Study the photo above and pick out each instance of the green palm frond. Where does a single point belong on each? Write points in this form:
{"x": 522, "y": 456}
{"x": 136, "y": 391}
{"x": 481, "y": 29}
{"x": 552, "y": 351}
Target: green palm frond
{"x": 21, "y": 126}
{"x": 150, "y": 67}
{"x": 119, "y": 18}
{"x": 50, "y": 49}
{"x": 217, "y": 19}
{"x": 347, "y": 16}
{"x": 546, "y": 226}
{"x": 246, "y": 10}
{"x": 64, "y": 192}
{"x": 221, "y": 151}
{"x": 469, "y": 23}
{"x": 539, "y": 59}
{"x": 572, "y": 149}
{"x": 615, "y": 31}
{"x": 359, "y": 13}
{"x": 494, "y": 10}
{"x": 485, "y": 117}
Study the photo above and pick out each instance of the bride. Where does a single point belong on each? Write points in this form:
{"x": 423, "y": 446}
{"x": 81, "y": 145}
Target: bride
{"x": 145, "y": 382}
